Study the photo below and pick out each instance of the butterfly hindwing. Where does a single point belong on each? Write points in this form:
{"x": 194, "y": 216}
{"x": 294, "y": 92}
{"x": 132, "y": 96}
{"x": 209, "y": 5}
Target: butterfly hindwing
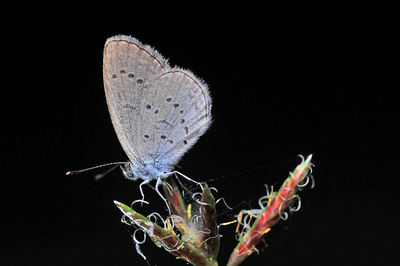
{"x": 176, "y": 112}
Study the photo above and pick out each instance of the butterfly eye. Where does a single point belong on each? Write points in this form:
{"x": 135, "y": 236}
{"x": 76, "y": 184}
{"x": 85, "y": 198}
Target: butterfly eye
{"x": 127, "y": 171}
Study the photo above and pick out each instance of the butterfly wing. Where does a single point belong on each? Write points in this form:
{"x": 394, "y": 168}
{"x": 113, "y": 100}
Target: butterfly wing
{"x": 176, "y": 112}
{"x": 128, "y": 68}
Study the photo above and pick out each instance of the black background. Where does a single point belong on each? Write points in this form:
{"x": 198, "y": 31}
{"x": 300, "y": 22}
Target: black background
{"x": 315, "y": 79}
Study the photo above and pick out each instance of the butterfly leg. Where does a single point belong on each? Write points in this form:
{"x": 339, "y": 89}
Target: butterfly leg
{"x": 159, "y": 181}
{"x": 186, "y": 177}
{"x": 141, "y": 189}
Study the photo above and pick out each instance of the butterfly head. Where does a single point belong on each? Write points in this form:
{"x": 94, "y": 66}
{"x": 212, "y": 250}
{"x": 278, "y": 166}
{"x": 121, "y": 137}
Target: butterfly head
{"x": 145, "y": 170}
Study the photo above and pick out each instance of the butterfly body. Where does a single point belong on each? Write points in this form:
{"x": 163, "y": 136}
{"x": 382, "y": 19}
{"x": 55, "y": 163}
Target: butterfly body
{"x": 146, "y": 169}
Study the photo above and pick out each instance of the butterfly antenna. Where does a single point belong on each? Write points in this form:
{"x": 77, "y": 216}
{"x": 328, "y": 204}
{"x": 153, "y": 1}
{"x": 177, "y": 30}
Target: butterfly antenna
{"x": 98, "y": 176}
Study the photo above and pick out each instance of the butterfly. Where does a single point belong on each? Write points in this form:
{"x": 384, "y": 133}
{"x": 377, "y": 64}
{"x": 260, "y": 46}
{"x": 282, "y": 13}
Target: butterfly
{"x": 158, "y": 111}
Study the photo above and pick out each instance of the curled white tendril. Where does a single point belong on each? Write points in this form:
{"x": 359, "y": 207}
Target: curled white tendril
{"x": 302, "y": 158}
{"x": 283, "y": 215}
{"x": 196, "y": 194}
{"x": 136, "y": 240}
{"x": 156, "y": 217}
{"x": 139, "y": 200}
{"x": 312, "y": 181}
{"x": 140, "y": 251}
{"x": 223, "y": 200}
{"x": 213, "y": 188}
{"x": 304, "y": 183}
{"x": 267, "y": 190}
{"x": 311, "y": 166}
{"x": 295, "y": 198}
{"x": 197, "y": 200}
{"x": 261, "y": 201}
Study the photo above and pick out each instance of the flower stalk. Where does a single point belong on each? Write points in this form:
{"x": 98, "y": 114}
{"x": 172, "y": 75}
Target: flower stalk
{"x": 191, "y": 235}
{"x": 272, "y": 213}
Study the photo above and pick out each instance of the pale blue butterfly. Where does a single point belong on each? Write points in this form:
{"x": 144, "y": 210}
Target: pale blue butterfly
{"x": 158, "y": 112}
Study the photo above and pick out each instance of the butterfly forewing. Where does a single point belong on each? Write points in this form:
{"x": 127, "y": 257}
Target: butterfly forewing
{"x": 128, "y": 67}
